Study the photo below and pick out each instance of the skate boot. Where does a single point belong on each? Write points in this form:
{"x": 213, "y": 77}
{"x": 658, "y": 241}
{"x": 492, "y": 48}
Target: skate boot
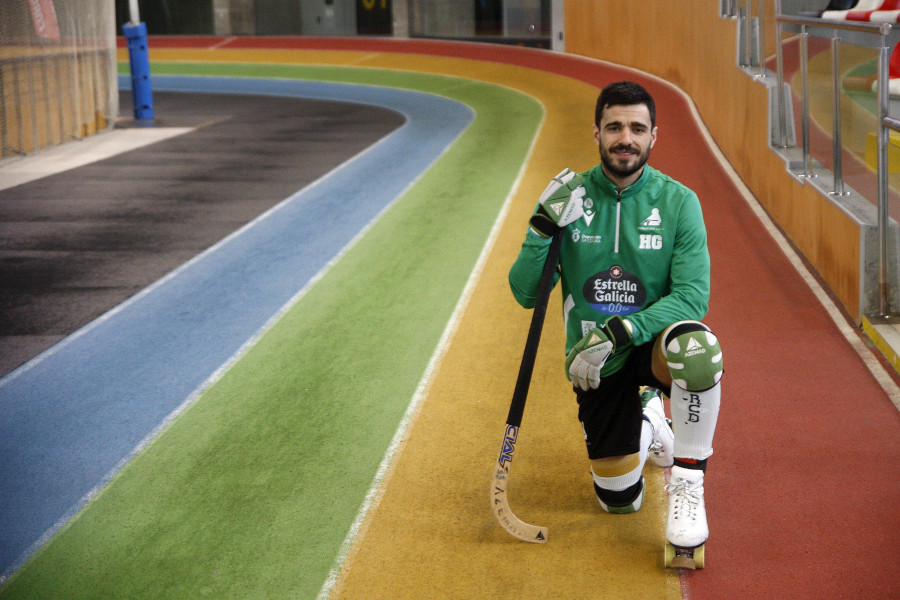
{"x": 686, "y": 529}
{"x": 662, "y": 448}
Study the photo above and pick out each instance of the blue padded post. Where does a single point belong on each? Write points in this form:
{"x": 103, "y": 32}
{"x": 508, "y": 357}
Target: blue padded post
{"x": 139, "y": 58}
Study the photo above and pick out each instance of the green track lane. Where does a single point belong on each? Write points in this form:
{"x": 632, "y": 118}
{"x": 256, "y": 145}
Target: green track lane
{"x": 252, "y": 490}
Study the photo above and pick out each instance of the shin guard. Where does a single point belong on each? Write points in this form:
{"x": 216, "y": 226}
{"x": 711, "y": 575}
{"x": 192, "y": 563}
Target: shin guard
{"x": 694, "y": 416}
{"x": 695, "y": 363}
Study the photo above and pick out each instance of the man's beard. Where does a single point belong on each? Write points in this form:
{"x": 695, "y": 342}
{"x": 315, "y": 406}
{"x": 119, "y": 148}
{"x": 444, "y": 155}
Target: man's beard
{"x": 611, "y": 168}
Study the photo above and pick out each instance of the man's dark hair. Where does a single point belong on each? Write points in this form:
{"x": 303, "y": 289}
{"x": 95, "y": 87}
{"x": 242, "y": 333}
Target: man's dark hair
{"x": 624, "y": 93}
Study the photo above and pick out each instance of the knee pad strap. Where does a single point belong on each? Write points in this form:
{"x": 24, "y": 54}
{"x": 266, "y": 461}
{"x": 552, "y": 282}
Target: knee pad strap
{"x": 617, "y": 474}
{"x": 618, "y": 483}
{"x": 616, "y": 466}
{"x": 628, "y": 500}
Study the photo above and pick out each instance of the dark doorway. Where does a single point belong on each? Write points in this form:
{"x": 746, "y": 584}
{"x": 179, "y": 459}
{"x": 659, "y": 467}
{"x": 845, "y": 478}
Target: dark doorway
{"x": 489, "y": 17}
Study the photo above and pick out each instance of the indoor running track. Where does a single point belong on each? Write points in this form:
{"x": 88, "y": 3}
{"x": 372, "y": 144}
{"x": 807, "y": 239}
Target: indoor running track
{"x": 801, "y": 492}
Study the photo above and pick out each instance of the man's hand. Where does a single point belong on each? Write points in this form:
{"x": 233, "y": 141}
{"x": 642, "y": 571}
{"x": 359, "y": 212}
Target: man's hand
{"x": 587, "y": 357}
{"x": 561, "y": 203}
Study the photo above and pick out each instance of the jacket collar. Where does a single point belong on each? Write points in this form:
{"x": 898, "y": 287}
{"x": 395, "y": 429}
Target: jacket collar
{"x": 599, "y": 178}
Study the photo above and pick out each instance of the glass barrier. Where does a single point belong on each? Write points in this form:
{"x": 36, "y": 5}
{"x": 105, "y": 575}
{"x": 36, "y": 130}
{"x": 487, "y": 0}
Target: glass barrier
{"x": 832, "y": 122}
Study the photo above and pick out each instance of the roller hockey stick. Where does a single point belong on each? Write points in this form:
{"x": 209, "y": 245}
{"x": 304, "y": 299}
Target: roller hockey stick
{"x": 499, "y": 500}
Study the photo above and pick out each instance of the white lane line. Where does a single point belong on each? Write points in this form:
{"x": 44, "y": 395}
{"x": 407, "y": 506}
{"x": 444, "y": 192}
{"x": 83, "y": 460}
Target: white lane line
{"x": 382, "y": 476}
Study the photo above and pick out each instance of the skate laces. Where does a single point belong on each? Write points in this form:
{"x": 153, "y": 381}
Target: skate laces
{"x": 687, "y": 497}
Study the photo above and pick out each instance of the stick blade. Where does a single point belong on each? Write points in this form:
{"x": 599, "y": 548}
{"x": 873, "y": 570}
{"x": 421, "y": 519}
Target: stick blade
{"x": 505, "y": 516}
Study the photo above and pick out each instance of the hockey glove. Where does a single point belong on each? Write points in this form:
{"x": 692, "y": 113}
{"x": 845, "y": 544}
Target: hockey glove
{"x": 561, "y": 203}
{"x": 587, "y": 357}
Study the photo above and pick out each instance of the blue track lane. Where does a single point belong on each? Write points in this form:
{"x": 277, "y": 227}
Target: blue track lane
{"x": 72, "y": 417}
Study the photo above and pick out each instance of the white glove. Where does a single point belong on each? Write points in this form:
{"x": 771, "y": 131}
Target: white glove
{"x": 587, "y": 358}
{"x": 561, "y": 203}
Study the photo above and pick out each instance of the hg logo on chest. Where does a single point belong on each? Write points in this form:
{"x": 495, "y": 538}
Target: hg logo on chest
{"x": 650, "y": 242}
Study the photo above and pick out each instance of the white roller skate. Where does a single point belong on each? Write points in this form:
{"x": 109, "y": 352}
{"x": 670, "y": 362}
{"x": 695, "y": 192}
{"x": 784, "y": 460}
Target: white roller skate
{"x": 662, "y": 448}
{"x": 686, "y": 529}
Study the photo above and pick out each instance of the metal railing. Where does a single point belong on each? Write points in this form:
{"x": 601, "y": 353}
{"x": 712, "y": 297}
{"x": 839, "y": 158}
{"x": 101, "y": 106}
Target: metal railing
{"x": 753, "y": 34}
{"x": 881, "y": 37}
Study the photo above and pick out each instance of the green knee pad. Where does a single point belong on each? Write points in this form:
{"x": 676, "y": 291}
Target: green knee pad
{"x": 694, "y": 357}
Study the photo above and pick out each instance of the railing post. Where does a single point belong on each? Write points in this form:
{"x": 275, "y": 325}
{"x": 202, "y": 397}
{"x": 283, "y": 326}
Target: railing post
{"x": 883, "y": 140}
{"x": 761, "y": 40}
{"x": 779, "y": 65}
{"x": 748, "y": 38}
{"x": 804, "y": 63}
{"x": 837, "y": 143}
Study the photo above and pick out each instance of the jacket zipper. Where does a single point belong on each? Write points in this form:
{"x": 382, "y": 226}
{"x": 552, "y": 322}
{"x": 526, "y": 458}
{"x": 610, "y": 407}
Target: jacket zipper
{"x": 618, "y": 218}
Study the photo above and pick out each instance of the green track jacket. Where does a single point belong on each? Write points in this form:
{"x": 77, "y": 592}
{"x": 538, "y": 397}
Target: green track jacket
{"x": 640, "y": 254}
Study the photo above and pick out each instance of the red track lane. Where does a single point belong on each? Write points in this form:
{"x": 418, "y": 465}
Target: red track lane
{"x": 802, "y": 491}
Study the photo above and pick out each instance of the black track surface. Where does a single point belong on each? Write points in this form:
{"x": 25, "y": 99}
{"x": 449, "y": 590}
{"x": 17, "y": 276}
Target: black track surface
{"x": 76, "y": 244}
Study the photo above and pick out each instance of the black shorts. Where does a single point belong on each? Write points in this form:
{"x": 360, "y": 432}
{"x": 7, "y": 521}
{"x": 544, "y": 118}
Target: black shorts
{"x": 612, "y": 414}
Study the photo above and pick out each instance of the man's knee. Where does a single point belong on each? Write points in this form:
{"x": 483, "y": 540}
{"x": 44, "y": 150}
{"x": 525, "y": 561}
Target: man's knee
{"x": 693, "y": 355}
{"x": 618, "y": 483}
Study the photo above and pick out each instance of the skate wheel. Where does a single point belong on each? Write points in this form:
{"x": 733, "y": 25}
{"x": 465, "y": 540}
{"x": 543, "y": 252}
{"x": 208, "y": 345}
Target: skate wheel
{"x": 668, "y": 555}
{"x": 684, "y": 558}
{"x": 699, "y": 556}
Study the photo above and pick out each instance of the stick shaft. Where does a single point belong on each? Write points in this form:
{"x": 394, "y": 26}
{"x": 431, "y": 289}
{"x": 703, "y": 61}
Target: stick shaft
{"x": 523, "y": 382}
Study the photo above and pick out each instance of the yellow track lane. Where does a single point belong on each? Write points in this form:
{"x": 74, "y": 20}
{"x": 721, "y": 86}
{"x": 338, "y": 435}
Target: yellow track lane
{"x": 430, "y": 532}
